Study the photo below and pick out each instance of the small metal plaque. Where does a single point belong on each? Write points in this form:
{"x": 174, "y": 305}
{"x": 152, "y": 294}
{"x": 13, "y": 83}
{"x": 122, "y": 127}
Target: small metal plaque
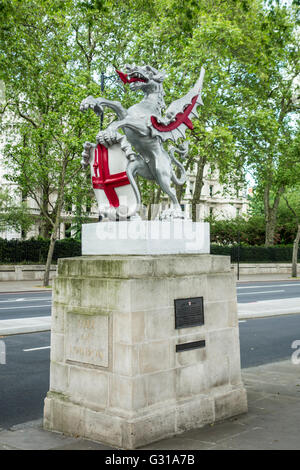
{"x": 189, "y": 312}
{"x": 189, "y": 346}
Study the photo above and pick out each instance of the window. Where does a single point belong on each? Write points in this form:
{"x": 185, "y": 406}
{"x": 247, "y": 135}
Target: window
{"x": 211, "y": 212}
{"x": 211, "y": 189}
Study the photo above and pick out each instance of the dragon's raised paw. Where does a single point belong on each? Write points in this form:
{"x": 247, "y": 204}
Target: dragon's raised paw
{"x": 108, "y": 137}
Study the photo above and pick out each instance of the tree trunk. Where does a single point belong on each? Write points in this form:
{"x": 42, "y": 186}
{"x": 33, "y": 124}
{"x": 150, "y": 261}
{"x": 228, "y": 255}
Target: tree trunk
{"x": 45, "y": 225}
{"x": 45, "y": 229}
{"x": 153, "y": 209}
{"x": 295, "y": 253}
{"x": 53, "y": 238}
{"x": 49, "y": 259}
{"x": 198, "y": 187}
{"x": 271, "y": 214}
{"x": 270, "y": 227}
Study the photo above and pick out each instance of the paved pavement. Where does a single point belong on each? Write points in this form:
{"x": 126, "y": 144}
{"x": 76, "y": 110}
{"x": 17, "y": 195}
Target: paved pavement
{"x": 22, "y": 286}
{"x": 24, "y": 325}
{"x": 267, "y": 277}
{"x": 269, "y": 308}
{"x": 272, "y": 421}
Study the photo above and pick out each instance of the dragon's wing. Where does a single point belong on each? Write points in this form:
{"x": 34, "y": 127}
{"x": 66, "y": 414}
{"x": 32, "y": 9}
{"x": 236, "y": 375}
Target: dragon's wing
{"x": 178, "y": 114}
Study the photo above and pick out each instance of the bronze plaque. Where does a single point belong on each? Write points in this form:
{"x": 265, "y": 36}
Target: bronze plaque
{"x": 189, "y": 312}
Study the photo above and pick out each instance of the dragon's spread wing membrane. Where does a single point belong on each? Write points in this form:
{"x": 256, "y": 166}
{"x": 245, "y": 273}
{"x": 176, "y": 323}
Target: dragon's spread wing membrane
{"x": 178, "y": 115}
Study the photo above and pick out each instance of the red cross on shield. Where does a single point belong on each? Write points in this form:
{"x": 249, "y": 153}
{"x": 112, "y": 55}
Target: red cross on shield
{"x": 109, "y": 178}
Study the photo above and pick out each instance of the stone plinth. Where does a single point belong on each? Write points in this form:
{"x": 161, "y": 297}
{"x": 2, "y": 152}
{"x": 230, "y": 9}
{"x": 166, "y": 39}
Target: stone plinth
{"x": 115, "y": 374}
{"x": 140, "y": 237}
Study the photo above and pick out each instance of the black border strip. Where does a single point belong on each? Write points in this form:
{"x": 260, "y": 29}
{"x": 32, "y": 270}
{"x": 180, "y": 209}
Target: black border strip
{"x": 189, "y": 346}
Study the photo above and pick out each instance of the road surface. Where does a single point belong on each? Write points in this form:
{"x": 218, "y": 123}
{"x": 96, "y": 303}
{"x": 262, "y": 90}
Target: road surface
{"x": 25, "y": 305}
{"x": 264, "y": 299}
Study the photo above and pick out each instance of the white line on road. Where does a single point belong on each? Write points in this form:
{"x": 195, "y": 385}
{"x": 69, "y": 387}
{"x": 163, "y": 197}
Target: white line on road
{"x": 37, "y": 349}
{"x": 261, "y": 292}
{"x": 27, "y": 306}
{"x": 47, "y": 299}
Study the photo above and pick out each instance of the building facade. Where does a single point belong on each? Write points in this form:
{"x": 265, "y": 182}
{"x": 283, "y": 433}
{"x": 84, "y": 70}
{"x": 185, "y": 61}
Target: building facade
{"x": 217, "y": 200}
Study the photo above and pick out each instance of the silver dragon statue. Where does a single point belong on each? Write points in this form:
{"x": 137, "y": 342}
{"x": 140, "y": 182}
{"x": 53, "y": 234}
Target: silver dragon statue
{"x": 145, "y": 130}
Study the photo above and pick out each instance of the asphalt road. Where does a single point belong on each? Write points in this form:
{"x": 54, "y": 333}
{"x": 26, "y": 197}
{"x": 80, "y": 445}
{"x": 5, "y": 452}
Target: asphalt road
{"x": 25, "y": 305}
{"x": 263, "y": 290}
{"x": 265, "y": 340}
{"x": 24, "y": 379}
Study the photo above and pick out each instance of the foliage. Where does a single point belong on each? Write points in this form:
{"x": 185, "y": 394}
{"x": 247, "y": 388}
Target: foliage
{"x": 52, "y": 55}
{"x": 35, "y": 251}
{"x": 255, "y": 254}
{"x": 227, "y": 232}
{"x": 13, "y": 215}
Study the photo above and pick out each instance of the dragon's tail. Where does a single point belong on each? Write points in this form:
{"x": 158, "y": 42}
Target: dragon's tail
{"x": 182, "y": 150}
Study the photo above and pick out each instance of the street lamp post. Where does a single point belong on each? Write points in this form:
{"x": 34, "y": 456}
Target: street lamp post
{"x": 103, "y": 79}
{"x": 238, "y": 255}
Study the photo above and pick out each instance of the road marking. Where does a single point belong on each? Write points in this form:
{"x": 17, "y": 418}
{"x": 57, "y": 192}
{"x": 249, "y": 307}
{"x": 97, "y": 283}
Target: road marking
{"x": 242, "y": 321}
{"x": 47, "y": 299}
{"x": 261, "y": 292}
{"x": 37, "y": 349}
{"x": 27, "y": 306}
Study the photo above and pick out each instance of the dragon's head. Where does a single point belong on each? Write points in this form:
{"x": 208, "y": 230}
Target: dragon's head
{"x": 144, "y": 78}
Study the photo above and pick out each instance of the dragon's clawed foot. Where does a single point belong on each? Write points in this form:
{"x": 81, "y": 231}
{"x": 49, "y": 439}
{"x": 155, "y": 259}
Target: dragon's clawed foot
{"x": 86, "y": 154}
{"x": 90, "y": 102}
{"x": 173, "y": 213}
{"x": 108, "y": 137}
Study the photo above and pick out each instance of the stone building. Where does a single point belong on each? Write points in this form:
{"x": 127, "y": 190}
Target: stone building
{"x": 216, "y": 200}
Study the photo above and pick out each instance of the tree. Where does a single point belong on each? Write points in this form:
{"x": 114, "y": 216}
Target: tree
{"x": 245, "y": 47}
{"x": 266, "y": 124}
{"x": 48, "y": 66}
{"x": 53, "y": 53}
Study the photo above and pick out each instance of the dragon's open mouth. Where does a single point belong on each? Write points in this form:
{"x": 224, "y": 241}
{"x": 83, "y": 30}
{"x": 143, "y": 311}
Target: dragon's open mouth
{"x": 134, "y": 77}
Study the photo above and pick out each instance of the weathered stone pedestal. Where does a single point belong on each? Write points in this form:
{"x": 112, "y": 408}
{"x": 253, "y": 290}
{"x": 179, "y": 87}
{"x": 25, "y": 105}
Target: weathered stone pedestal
{"x": 117, "y": 375}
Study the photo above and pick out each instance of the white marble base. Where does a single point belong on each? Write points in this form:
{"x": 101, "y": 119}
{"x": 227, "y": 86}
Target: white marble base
{"x": 139, "y": 237}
